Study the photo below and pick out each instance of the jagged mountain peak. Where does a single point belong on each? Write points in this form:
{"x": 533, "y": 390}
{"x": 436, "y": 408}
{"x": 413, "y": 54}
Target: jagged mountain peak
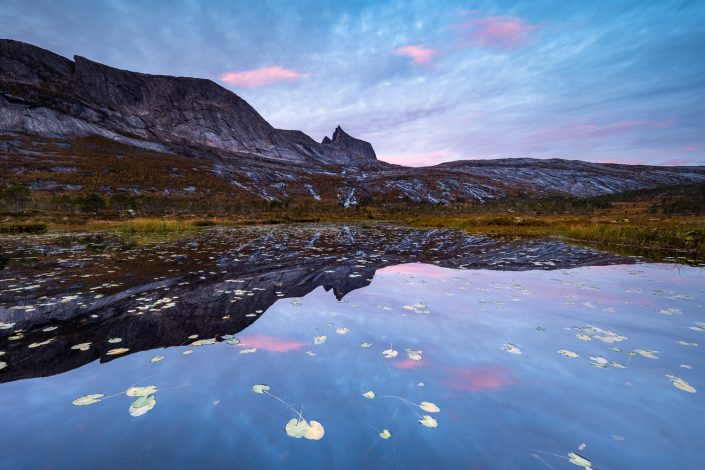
{"x": 63, "y": 98}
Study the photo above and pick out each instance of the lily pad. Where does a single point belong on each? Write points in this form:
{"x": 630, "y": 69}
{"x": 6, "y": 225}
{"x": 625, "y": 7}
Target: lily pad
{"x": 578, "y": 460}
{"x": 157, "y": 358}
{"x": 342, "y": 331}
{"x": 414, "y": 354}
{"x": 3, "y": 365}
{"x": 429, "y": 407}
{"x": 296, "y": 428}
{"x": 204, "y": 342}
{"x": 260, "y": 388}
{"x": 117, "y": 351}
{"x": 81, "y": 346}
{"x": 141, "y": 391}
{"x": 114, "y": 340}
{"x": 385, "y": 434}
{"x": 248, "y": 351}
{"x": 187, "y": 352}
{"x": 319, "y": 339}
{"x": 88, "y": 399}
{"x": 567, "y": 353}
{"x": 369, "y": 394}
{"x": 315, "y": 431}
{"x": 511, "y": 348}
{"x": 142, "y": 405}
{"x": 428, "y": 421}
{"x": 365, "y": 344}
{"x": 681, "y": 384}
{"x": 390, "y": 353}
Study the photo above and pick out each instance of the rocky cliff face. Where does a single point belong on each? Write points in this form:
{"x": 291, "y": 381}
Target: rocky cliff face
{"x": 46, "y": 94}
{"x": 239, "y": 155}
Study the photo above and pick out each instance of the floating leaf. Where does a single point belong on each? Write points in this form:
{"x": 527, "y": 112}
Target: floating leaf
{"x": 385, "y": 434}
{"x": 260, "y": 388}
{"x": 583, "y": 337}
{"x": 369, "y": 394}
{"x": 310, "y": 353}
{"x": 428, "y": 421}
{"x": 114, "y": 340}
{"x": 88, "y": 399}
{"x": 81, "y": 346}
{"x": 142, "y": 405}
{"x": 204, "y": 342}
{"x": 43, "y": 343}
{"x": 342, "y": 331}
{"x": 420, "y": 307}
{"x": 296, "y": 428}
{"x": 576, "y": 459}
{"x": 3, "y": 365}
{"x": 232, "y": 341}
{"x": 681, "y": 384}
{"x": 390, "y": 353}
{"x": 414, "y": 354}
{"x": 319, "y": 339}
{"x": 511, "y": 348}
{"x": 365, "y": 344}
{"x": 429, "y": 407}
{"x": 567, "y": 353}
{"x": 193, "y": 337}
{"x": 117, "y": 351}
{"x": 141, "y": 391}
{"x": 187, "y": 352}
{"x": 248, "y": 351}
{"x": 157, "y": 358}
{"x": 315, "y": 431}
{"x": 647, "y": 353}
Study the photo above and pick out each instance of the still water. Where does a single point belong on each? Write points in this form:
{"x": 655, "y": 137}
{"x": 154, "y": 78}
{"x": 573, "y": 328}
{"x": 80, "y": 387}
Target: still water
{"x": 378, "y": 346}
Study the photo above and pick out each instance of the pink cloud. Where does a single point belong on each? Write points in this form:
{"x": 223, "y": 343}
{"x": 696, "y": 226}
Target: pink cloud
{"x": 259, "y": 77}
{"x": 679, "y": 162}
{"x": 497, "y": 31}
{"x": 478, "y": 379}
{"x": 418, "y": 269}
{"x": 270, "y": 343}
{"x": 419, "y": 55}
{"x": 587, "y": 131}
{"x": 420, "y": 159}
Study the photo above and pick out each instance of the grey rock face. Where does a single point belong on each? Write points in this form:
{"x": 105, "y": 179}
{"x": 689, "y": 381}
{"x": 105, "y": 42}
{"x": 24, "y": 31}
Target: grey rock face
{"x": 45, "y": 94}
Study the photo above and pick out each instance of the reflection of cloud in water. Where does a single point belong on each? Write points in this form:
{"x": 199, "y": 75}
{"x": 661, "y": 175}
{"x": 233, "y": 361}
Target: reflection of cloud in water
{"x": 478, "y": 379}
{"x": 408, "y": 364}
{"x": 271, "y": 343}
{"x": 418, "y": 269}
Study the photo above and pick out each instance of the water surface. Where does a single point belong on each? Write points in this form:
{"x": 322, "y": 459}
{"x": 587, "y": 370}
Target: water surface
{"x": 474, "y": 326}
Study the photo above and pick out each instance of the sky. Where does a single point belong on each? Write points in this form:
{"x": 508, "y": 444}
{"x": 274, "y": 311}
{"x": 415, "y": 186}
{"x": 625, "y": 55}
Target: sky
{"x": 424, "y": 81}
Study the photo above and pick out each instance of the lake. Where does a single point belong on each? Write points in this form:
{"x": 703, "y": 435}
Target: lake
{"x": 346, "y": 346}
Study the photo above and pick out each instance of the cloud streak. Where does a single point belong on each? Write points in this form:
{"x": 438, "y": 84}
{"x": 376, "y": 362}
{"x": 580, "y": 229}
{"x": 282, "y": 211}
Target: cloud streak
{"x": 497, "y": 31}
{"x": 419, "y": 55}
{"x": 260, "y": 77}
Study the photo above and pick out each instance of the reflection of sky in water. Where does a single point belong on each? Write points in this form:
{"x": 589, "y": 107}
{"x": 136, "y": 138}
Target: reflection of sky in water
{"x": 497, "y": 409}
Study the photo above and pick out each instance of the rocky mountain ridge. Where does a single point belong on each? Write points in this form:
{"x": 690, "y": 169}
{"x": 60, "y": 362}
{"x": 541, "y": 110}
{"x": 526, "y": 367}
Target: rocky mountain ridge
{"x": 57, "y": 100}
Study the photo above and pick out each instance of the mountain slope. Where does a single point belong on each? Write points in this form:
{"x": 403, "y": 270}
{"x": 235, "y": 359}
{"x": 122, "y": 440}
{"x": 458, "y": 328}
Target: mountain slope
{"x": 192, "y": 140}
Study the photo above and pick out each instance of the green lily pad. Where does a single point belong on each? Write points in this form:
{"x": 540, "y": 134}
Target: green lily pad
{"x": 88, "y": 399}
{"x": 578, "y": 460}
{"x": 385, "y": 434}
{"x": 369, "y": 394}
{"x": 319, "y": 339}
{"x": 296, "y": 428}
{"x": 142, "y": 405}
{"x": 117, "y": 351}
{"x": 157, "y": 359}
{"x": 260, "y": 388}
{"x": 81, "y": 346}
{"x": 567, "y": 353}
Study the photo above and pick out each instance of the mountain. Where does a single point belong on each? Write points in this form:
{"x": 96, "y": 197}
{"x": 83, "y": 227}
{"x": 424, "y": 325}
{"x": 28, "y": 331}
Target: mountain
{"x": 84, "y": 124}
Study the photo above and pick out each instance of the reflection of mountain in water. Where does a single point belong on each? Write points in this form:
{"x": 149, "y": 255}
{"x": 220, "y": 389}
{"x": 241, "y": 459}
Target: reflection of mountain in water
{"x": 218, "y": 282}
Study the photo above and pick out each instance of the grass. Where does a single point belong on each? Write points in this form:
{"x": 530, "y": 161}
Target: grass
{"x": 684, "y": 233}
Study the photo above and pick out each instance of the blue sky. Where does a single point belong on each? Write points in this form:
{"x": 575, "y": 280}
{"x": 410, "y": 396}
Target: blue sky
{"x": 423, "y": 81}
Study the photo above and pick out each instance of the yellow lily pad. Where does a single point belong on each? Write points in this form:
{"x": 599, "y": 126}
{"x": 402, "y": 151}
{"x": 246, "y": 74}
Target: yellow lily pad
{"x": 319, "y": 339}
{"x": 385, "y": 434}
{"x": 369, "y": 394}
{"x": 578, "y": 460}
{"x": 342, "y": 331}
{"x": 429, "y": 407}
{"x": 117, "y": 351}
{"x": 157, "y": 359}
{"x": 141, "y": 391}
{"x": 390, "y": 353}
{"x": 428, "y": 421}
{"x": 315, "y": 431}
{"x": 142, "y": 405}
{"x": 567, "y": 353}
{"x": 81, "y": 346}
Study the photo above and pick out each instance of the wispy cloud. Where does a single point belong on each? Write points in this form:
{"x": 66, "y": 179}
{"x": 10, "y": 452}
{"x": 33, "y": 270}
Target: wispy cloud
{"x": 497, "y": 31}
{"x": 589, "y": 131}
{"x": 418, "y": 54}
{"x": 260, "y": 77}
